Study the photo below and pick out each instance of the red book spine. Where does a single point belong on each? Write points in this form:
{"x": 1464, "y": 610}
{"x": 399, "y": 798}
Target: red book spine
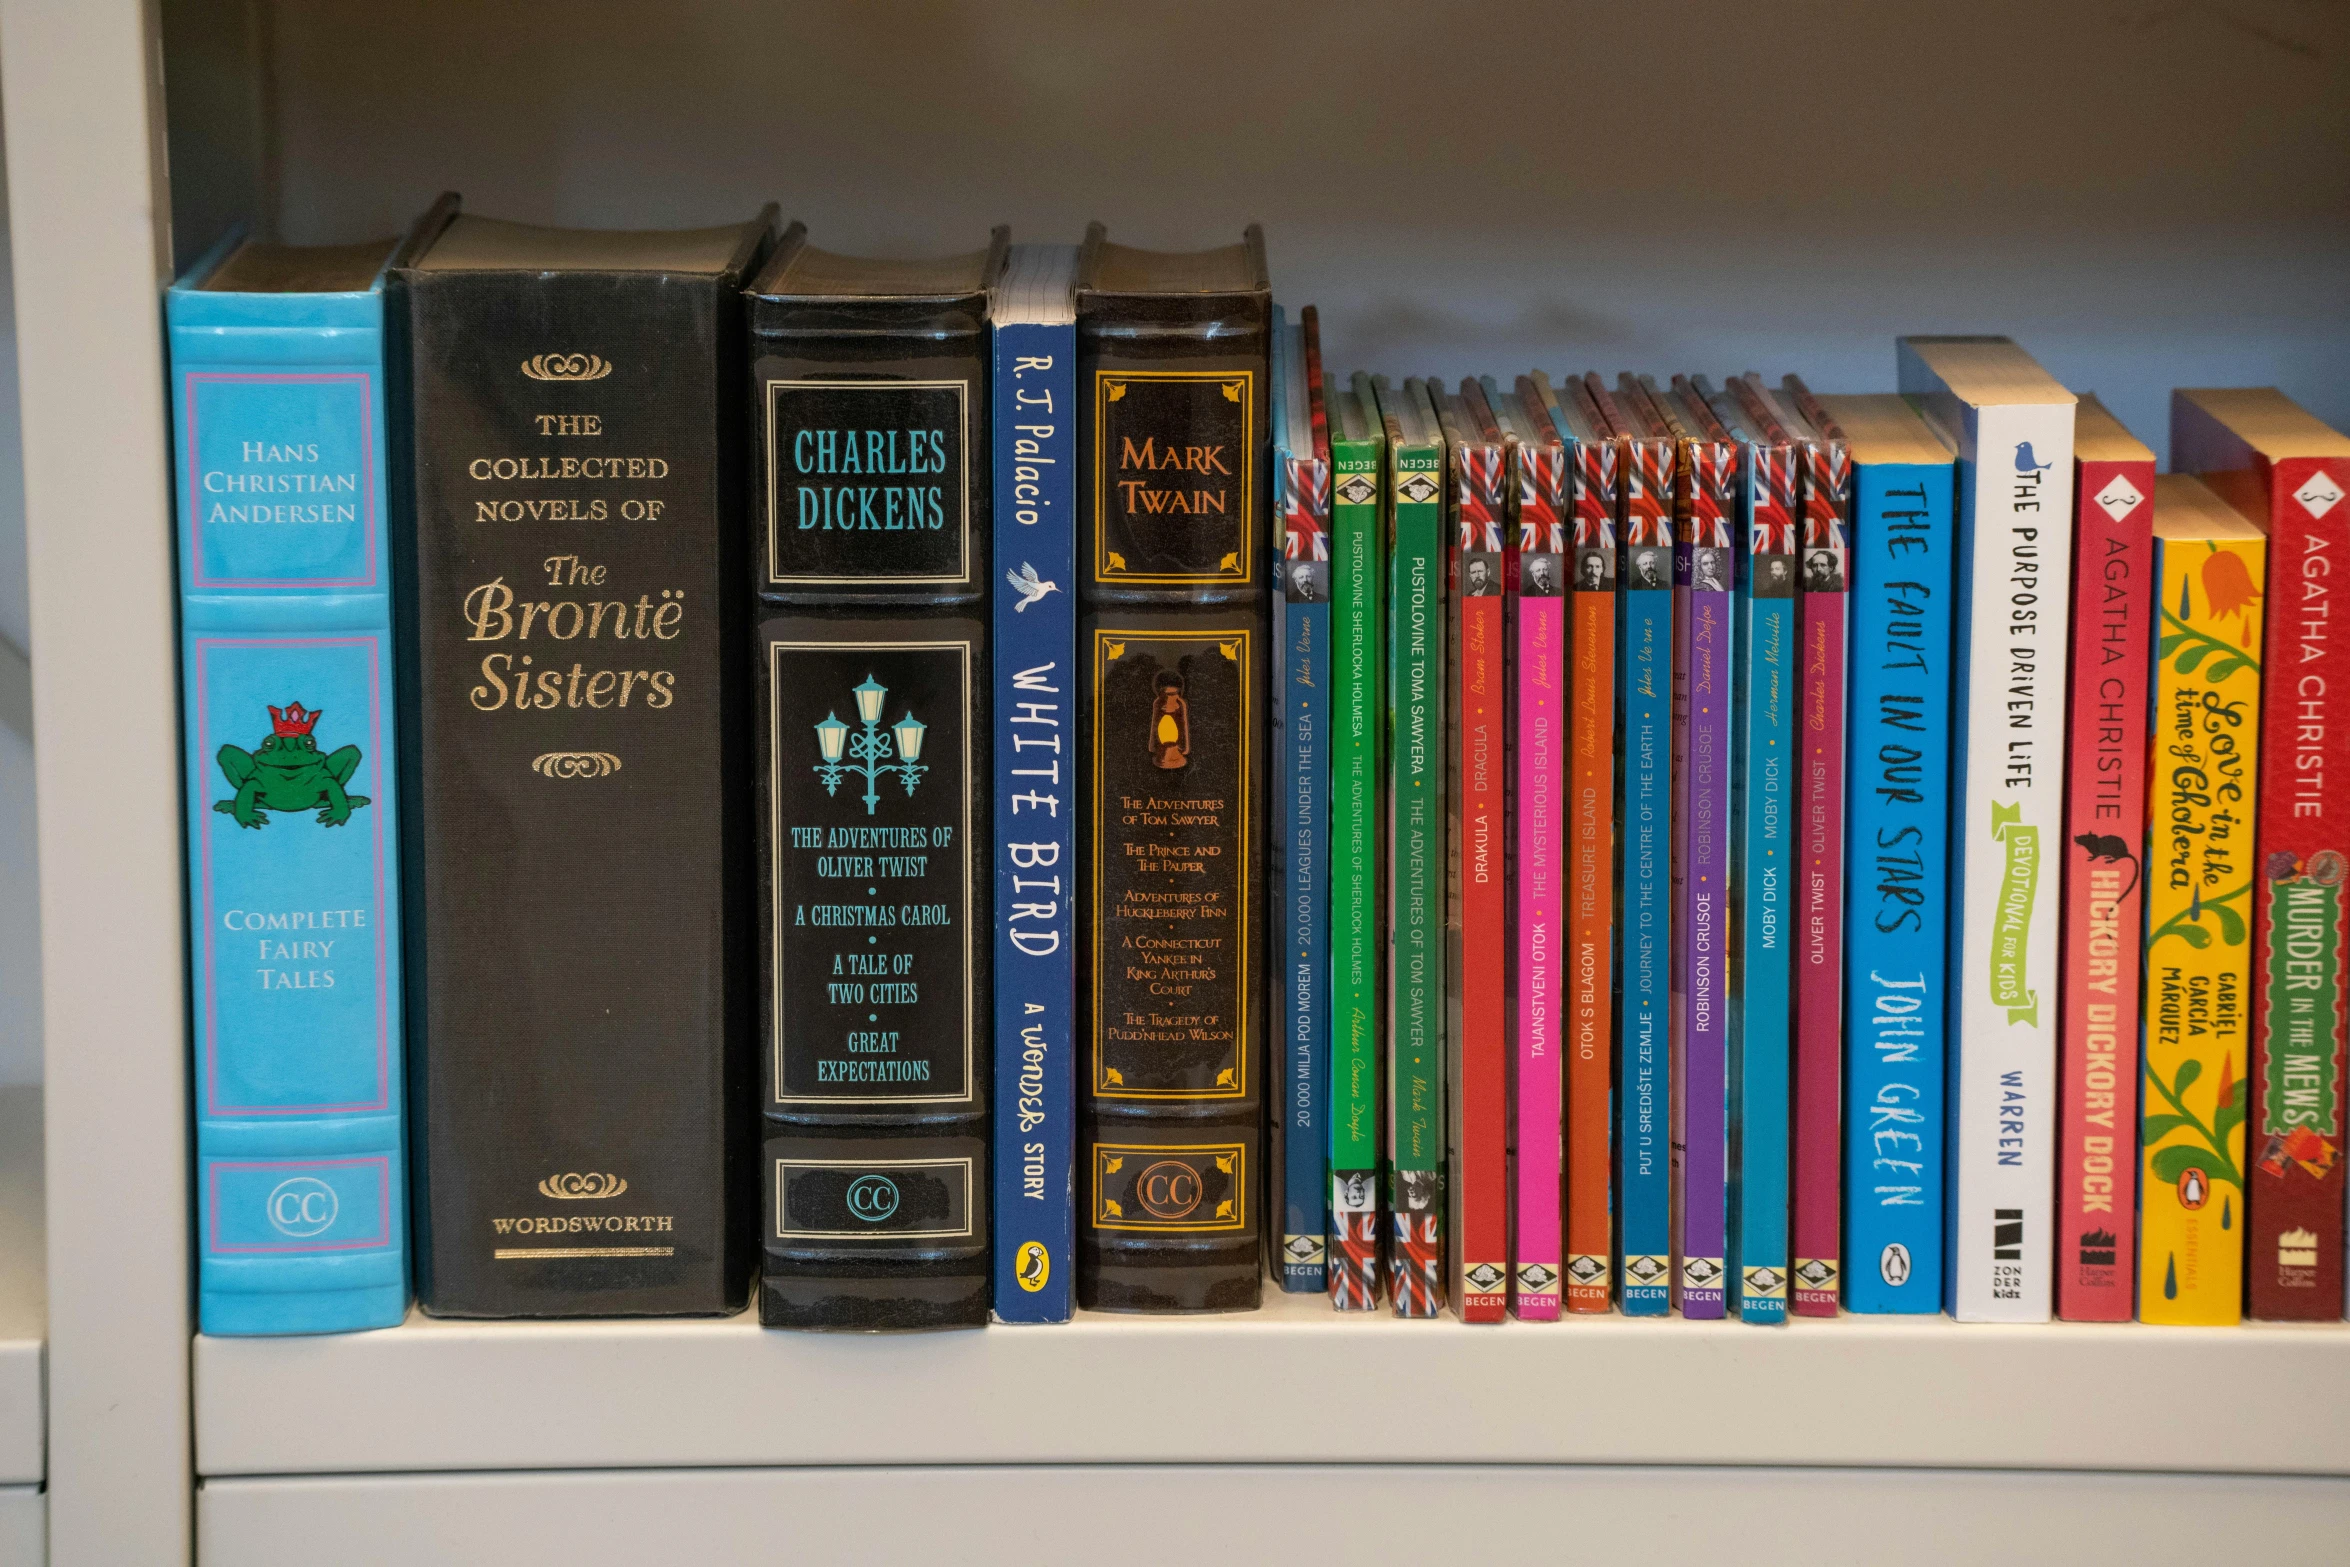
{"x": 2294, "y": 1229}
{"x": 2105, "y": 829}
{"x": 1481, "y": 887}
{"x": 1591, "y": 838}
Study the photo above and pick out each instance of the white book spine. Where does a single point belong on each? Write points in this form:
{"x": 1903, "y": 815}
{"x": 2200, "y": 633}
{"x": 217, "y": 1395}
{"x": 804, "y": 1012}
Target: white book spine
{"x": 2007, "y": 830}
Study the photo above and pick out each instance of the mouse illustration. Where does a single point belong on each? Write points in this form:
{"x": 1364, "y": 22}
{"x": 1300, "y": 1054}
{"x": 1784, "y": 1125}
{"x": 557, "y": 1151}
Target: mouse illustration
{"x": 2107, "y": 849}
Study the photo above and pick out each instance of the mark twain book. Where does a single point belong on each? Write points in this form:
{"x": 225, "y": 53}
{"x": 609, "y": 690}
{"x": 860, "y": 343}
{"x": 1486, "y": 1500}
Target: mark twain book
{"x": 277, "y": 397}
{"x": 2104, "y": 888}
{"x": 1898, "y": 866}
{"x": 1034, "y": 319}
{"x": 869, "y": 390}
{"x": 2273, "y": 461}
{"x": 1644, "y": 856}
{"x": 2013, "y": 427}
{"x": 1358, "y": 748}
{"x": 2210, "y": 572}
{"x": 1416, "y": 819}
{"x": 1172, "y": 434}
{"x": 573, "y": 759}
{"x": 1478, "y": 461}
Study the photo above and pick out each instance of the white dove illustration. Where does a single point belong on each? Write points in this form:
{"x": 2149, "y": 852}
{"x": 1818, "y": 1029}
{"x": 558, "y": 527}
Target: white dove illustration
{"x": 1029, "y": 586}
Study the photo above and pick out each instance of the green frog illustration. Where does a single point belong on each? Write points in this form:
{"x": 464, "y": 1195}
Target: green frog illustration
{"x": 287, "y": 773}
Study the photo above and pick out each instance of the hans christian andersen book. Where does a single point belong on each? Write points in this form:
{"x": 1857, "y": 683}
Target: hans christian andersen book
{"x": 2013, "y": 427}
{"x": 1644, "y": 855}
{"x": 869, "y": 384}
{"x": 277, "y": 399}
{"x": 1762, "y": 850}
{"x": 1817, "y": 1155}
{"x": 2273, "y": 461}
{"x": 576, "y": 771}
{"x": 1173, "y": 559}
{"x": 1898, "y": 867}
{"x": 1358, "y": 750}
{"x": 1478, "y": 460}
{"x": 1416, "y": 688}
{"x": 1703, "y": 564}
{"x": 2210, "y": 564}
{"x": 1590, "y": 805}
{"x": 1541, "y": 488}
{"x": 1034, "y": 322}
{"x": 1300, "y": 936}
{"x": 2104, "y": 884}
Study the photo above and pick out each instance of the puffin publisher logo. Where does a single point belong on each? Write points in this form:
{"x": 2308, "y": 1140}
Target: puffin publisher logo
{"x": 1032, "y": 1266}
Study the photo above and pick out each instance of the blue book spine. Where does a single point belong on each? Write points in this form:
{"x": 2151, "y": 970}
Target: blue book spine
{"x": 1897, "y": 886}
{"x": 1035, "y": 629}
{"x": 1762, "y": 874}
{"x": 1644, "y": 813}
{"x": 1301, "y": 619}
{"x": 293, "y": 828}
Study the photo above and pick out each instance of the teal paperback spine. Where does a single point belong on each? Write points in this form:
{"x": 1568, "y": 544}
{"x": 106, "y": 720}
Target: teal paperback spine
{"x": 290, "y": 727}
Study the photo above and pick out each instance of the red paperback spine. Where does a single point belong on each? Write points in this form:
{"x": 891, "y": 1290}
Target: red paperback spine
{"x": 2105, "y": 827}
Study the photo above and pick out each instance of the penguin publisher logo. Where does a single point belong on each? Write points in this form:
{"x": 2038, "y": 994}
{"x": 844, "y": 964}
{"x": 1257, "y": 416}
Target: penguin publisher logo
{"x": 1893, "y": 1265}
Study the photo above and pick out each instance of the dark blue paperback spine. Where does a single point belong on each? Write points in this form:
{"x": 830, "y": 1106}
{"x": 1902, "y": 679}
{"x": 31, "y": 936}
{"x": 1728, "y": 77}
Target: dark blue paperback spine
{"x": 1898, "y": 886}
{"x": 1301, "y": 703}
{"x": 1035, "y": 627}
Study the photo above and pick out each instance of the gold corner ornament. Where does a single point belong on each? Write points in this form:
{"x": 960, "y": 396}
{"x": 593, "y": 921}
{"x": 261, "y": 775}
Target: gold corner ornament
{"x": 567, "y": 367}
{"x": 1233, "y": 389}
{"x": 1117, "y": 561}
{"x": 1224, "y": 1163}
{"x": 2011, "y": 929}
{"x": 591, "y": 1186}
{"x": 1117, "y": 390}
{"x": 1230, "y": 650}
{"x": 1112, "y": 1166}
{"x": 1114, "y": 649}
{"x": 1229, "y": 563}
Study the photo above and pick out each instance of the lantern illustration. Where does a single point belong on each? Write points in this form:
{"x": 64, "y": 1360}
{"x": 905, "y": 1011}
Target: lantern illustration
{"x": 872, "y": 751}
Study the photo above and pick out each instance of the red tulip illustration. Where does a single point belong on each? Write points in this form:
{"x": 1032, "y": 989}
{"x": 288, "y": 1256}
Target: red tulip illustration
{"x": 2228, "y": 584}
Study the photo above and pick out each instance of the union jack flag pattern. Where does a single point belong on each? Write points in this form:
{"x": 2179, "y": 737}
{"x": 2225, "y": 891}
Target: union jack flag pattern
{"x": 1542, "y": 527}
{"x": 1417, "y": 1263}
{"x": 1480, "y": 497}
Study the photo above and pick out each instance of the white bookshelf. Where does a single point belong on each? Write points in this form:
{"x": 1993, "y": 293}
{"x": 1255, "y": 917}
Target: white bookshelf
{"x": 1523, "y": 187}
{"x": 24, "y": 1329}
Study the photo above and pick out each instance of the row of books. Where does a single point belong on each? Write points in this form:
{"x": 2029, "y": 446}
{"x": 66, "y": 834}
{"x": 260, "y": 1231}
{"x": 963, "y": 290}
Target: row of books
{"x": 1673, "y": 831}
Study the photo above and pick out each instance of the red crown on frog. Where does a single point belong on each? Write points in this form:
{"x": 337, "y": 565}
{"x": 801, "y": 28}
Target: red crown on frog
{"x": 294, "y": 719}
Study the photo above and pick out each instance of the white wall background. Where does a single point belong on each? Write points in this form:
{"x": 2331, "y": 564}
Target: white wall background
{"x": 2147, "y": 192}
{"x": 20, "y": 931}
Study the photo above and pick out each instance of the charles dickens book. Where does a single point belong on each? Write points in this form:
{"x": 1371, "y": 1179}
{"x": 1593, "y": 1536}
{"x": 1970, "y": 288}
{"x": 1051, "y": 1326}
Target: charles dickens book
{"x": 1415, "y": 851}
{"x": 1897, "y": 863}
{"x": 293, "y": 835}
{"x": 1817, "y": 1153}
{"x": 2012, "y": 425}
{"x": 2104, "y": 885}
{"x": 1358, "y": 750}
{"x": 1644, "y": 854}
{"x": 1172, "y": 993}
{"x": 1299, "y": 939}
{"x": 1035, "y": 631}
{"x": 1589, "y": 889}
{"x": 869, "y": 389}
{"x": 2210, "y": 564}
{"x": 577, "y": 783}
{"x": 1478, "y": 460}
{"x": 2273, "y": 461}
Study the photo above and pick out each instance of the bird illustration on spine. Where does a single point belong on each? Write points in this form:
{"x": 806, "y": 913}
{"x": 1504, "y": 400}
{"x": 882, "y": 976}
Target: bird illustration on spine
{"x": 872, "y": 752}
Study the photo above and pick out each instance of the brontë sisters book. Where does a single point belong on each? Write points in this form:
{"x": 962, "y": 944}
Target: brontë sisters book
{"x": 1172, "y": 435}
{"x": 1035, "y": 630}
{"x": 574, "y": 763}
{"x": 277, "y": 394}
{"x": 869, "y": 386}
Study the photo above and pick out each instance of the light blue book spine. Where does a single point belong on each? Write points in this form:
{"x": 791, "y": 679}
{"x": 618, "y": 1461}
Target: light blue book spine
{"x": 1897, "y": 887}
{"x": 1762, "y": 780}
{"x": 1644, "y": 814}
{"x": 1035, "y": 626}
{"x": 293, "y": 832}
{"x": 1301, "y": 854}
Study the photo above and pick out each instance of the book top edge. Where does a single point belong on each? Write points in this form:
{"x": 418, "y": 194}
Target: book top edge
{"x": 1108, "y": 268}
{"x": 2099, "y": 437}
{"x": 258, "y": 267}
{"x": 1987, "y": 372}
{"x": 472, "y": 243}
{"x": 1882, "y": 427}
{"x": 2268, "y": 421}
{"x": 799, "y": 270}
{"x": 2185, "y": 508}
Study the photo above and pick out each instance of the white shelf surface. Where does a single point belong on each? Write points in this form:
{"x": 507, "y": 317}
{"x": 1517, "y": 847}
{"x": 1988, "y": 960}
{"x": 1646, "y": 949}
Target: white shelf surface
{"x": 1293, "y": 1383}
{"x": 24, "y": 1315}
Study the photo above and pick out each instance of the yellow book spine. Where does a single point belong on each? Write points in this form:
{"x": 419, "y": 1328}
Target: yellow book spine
{"x": 2202, "y": 798}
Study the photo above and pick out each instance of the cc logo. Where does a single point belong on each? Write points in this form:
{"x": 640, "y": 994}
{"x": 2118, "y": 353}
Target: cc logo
{"x": 873, "y": 1198}
{"x": 303, "y": 1205}
{"x": 1170, "y": 1189}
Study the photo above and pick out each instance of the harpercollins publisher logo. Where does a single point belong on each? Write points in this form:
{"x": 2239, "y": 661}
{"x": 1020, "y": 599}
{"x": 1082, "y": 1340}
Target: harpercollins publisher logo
{"x": 302, "y": 1206}
{"x": 566, "y": 367}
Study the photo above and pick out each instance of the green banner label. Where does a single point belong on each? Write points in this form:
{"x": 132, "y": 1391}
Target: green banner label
{"x": 2011, "y": 933}
{"x": 2304, "y": 1000}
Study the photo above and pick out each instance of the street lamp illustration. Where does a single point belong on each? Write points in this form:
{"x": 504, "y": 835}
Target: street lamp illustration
{"x": 871, "y": 749}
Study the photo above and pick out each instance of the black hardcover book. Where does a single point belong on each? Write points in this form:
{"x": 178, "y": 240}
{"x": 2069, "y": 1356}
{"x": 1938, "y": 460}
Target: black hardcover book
{"x": 869, "y": 387}
{"x": 577, "y": 888}
{"x": 1173, "y": 478}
